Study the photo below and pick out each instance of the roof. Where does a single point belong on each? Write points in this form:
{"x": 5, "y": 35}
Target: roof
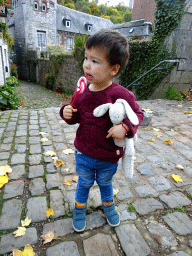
{"x": 78, "y": 21}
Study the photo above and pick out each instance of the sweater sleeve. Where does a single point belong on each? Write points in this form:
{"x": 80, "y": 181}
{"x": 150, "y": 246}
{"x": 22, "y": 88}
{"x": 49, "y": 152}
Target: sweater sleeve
{"x": 135, "y": 106}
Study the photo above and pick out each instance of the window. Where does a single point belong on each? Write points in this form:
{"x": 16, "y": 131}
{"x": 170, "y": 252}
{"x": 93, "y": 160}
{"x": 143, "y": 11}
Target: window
{"x": 69, "y": 43}
{"x": 36, "y": 6}
{"x": 67, "y": 23}
{"x": 58, "y": 40}
{"x": 41, "y": 38}
{"x": 89, "y": 27}
{"x": 44, "y": 7}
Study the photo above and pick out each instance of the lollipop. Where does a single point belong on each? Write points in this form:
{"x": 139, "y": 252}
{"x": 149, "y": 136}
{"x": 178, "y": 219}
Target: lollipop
{"x": 81, "y": 85}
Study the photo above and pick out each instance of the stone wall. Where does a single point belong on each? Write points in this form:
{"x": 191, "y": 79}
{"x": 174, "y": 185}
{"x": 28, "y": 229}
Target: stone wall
{"x": 181, "y": 75}
{"x": 68, "y": 75}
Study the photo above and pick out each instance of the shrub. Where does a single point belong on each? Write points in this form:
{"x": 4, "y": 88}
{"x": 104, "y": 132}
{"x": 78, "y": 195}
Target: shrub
{"x": 14, "y": 70}
{"x": 12, "y": 81}
{"x": 8, "y": 99}
{"x": 171, "y": 94}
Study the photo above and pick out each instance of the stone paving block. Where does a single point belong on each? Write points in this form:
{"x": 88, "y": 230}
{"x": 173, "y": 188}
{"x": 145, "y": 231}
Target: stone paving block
{"x": 159, "y": 183}
{"x": 124, "y": 193}
{"x": 36, "y": 171}
{"x": 179, "y": 253}
{"x": 146, "y": 169}
{"x": 33, "y": 127}
{"x": 51, "y": 168}
{"x": 21, "y": 133}
{"x": 18, "y": 159}
{"x": 36, "y": 208}
{"x": 4, "y": 155}
{"x": 17, "y": 172}
{"x": 56, "y": 133}
{"x": 71, "y": 199}
{"x": 48, "y": 159}
{"x": 59, "y": 227}
{"x": 20, "y": 140}
{"x": 132, "y": 241}
{"x": 9, "y": 134}
{"x": 175, "y": 199}
{"x": 20, "y": 148}
{"x": 163, "y": 235}
{"x": 2, "y": 163}
{"x": 94, "y": 199}
{"x": 48, "y": 148}
{"x": 10, "y": 128}
{"x": 34, "y": 132}
{"x": 176, "y": 159}
{"x": 35, "y": 149}
{"x": 5, "y": 147}
{"x": 34, "y": 139}
{"x": 145, "y": 206}
{"x": 179, "y": 222}
{"x": 8, "y": 242}
{"x": 60, "y": 146}
{"x": 8, "y": 140}
{"x": 144, "y": 191}
{"x": 124, "y": 213}
{"x": 155, "y": 158}
{"x": 58, "y": 139}
{"x": 13, "y": 189}
{"x": 33, "y": 121}
{"x": 52, "y": 180}
{"x": 95, "y": 220}
{"x": 187, "y": 180}
{"x": 37, "y": 187}
{"x": 57, "y": 203}
{"x": 63, "y": 249}
{"x": 11, "y": 213}
{"x": 35, "y": 159}
{"x": 189, "y": 191}
{"x": 106, "y": 245}
{"x": 22, "y": 127}
{"x": 190, "y": 243}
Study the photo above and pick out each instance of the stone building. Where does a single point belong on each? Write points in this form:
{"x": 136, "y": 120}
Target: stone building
{"x": 38, "y": 23}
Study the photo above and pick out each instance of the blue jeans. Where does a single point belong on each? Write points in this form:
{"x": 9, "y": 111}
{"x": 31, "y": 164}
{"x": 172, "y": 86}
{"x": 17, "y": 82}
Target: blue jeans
{"x": 89, "y": 170}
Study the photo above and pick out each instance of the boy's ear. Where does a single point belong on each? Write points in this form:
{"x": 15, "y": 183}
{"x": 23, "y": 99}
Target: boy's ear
{"x": 115, "y": 69}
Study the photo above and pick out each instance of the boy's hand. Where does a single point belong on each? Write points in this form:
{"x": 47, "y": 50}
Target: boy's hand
{"x": 68, "y": 112}
{"x": 117, "y": 132}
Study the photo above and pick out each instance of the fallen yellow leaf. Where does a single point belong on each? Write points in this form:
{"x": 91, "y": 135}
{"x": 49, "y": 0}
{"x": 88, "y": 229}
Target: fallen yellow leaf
{"x": 159, "y": 135}
{"x": 3, "y": 180}
{"x": 5, "y": 169}
{"x": 146, "y": 128}
{"x": 180, "y": 167}
{"x": 179, "y": 131}
{"x": 190, "y": 107}
{"x": 43, "y": 139}
{"x": 48, "y": 237}
{"x": 152, "y": 139}
{"x": 155, "y": 129}
{"x": 115, "y": 191}
{"x": 180, "y": 106}
{"x": 68, "y": 151}
{"x": 16, "y": 252}
{"x": 68, "y": 182}
{"x": 49, "y": 153}
{"x": 49, "y": 212}
{"x": 26, "y": 222}
{"x": 75, "y": 178}
{"x": 187, "y": 112}
{"x": 42, "y": 133}
{"x": 28, "y": 251}
{"x": 58, "y": 162}
{"x": 177, "y": 178}
{"x": 20, "y": 231}
{"x": 169, "y": 142}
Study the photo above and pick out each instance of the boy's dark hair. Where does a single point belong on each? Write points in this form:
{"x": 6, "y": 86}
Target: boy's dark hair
{"x": 115, "y": 45}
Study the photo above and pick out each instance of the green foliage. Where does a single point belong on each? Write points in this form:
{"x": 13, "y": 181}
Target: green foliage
{"x": 171, "y": 94}
{"x": 14, "y": 70}
{"x": 145, "y": 54}
{"x": 8, "y": 99}
{"x": 12, "y": 81}
{"x": 79, "y": 49}
{"x": 56, "y": 50}
{"x": 6, "y": 36}
{"x": 131, "y": 208}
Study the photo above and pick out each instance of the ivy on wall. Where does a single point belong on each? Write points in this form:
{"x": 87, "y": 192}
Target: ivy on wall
{"x": 145, "y": 54}
{"x": 6, "y": 36}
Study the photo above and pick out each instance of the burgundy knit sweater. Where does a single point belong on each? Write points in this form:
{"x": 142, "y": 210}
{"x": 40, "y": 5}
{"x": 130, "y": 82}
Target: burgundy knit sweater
{"x": 91, "y": 134}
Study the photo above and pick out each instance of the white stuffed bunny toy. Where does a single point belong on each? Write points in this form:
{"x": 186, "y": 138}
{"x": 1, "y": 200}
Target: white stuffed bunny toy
{"x": 117, "y": 112}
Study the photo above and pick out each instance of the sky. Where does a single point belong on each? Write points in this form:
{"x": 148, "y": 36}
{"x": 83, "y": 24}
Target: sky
{"x": 114, "y": 2}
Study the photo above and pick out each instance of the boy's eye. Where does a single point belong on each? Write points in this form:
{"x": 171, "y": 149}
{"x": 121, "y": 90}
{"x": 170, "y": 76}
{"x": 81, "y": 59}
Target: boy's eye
{"x": 85, "y": 58}
{"x": 94, "y": 61}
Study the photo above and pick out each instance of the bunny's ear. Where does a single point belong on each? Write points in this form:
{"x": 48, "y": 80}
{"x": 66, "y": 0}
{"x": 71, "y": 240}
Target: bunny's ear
{"x": 101, "y": 110}
{"x": 129, "y": 112}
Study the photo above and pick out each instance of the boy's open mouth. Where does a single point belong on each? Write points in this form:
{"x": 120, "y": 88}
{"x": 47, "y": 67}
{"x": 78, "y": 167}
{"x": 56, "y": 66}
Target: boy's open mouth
{"x": 88, "y": 77}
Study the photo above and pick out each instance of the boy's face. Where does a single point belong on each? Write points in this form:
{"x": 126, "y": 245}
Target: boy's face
{"x": 96, "y": 67}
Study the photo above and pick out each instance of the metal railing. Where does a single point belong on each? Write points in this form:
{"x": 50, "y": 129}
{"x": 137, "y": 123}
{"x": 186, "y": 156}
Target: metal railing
{"x": 154, "y": 68}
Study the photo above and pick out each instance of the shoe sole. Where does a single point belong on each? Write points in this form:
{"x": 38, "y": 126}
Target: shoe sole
{"x": 79, "y": 230}
{"x": 112, "y": 224}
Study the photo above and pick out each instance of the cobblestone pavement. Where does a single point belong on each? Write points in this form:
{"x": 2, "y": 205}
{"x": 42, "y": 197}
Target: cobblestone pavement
{"x": 155, "y": 211}
{"x": 36, "y": 96}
